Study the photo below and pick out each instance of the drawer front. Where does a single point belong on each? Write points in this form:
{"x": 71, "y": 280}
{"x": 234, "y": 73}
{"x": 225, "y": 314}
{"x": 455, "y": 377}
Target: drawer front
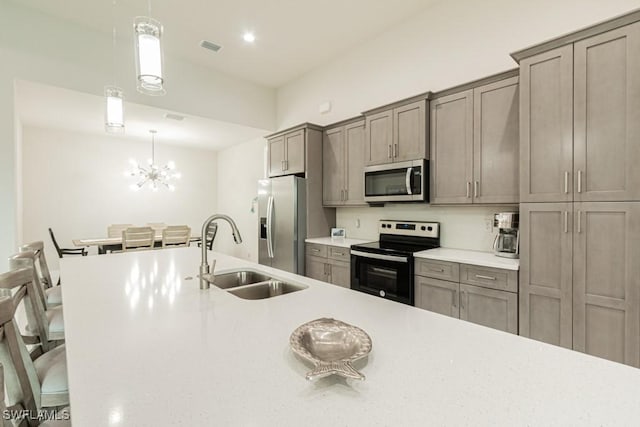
{"x": 487, "y": 277}
{"x": 313, "y": 249}
{"x": 339, "y": 254}
{"x": 442, "y": 270}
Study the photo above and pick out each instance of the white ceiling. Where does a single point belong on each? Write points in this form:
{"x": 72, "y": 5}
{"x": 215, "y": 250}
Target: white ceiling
{"x": 56, "y": 108}
{"x": 292, "y": 36}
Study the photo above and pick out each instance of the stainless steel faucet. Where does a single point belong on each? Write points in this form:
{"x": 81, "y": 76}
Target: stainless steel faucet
{"x": 204, "y": 264}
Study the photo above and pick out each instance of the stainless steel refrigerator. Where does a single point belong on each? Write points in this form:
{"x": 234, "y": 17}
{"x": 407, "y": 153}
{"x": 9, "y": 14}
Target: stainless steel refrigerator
{"x": 282, "y": 224}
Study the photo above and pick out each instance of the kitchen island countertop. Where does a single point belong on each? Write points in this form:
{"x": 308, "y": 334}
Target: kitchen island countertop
{"x": 147, "y": 347}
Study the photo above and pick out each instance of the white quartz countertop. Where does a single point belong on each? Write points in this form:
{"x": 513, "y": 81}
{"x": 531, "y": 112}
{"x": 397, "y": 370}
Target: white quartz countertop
{"x": 463, "y": 256}
{"x": 343, "y": 243}
{"x": 147, "y": 347}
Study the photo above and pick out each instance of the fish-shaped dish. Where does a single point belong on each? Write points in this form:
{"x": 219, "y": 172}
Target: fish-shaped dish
{"x": 331, "y": 345}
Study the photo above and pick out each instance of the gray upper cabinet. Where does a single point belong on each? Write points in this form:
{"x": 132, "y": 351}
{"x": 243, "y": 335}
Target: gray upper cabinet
{"x": 475, "y": 144}
{"x": 397, "y": 134}
{"x": 379, "y": 138}
{"x": 546, "y": 126}
{"x": 452, "y": 148}
{"x": 606, "y": 280}
{"x": 409, "y": 132}
{"x": 287, "y": 153}
{"x": 354, "y": 134}
{"x": 294, "y": 145}
{"x": 607, "y": 116}
{"x": 545, "y": 272}
{"x": 580, "y": 107}
{"x": 333, "y": 166}
{"x": 276, "y": 156}
{"x": 496, "y": 135}
{"x": 343, "y": 165}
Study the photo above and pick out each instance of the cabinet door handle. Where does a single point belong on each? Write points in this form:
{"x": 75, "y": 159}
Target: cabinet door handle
{"x": 579, "y": 181}
{"x": 579, "y": 221}
{"x": 476, "y": 184}
{"x": 339, "y": 253}
{"x": 566, "y": 221}
{"x": 468, "y": 189}
{"x": 437, "y": 270}
{"x": 480, "y": 276}
{"x": 454, "y": 297}
{"x": 341, "y": 195}
{"x": 389, "y": 151}
{"x": 315, "y": 250}
{"x": 395, "y": 150}
{"x": 462, "y": 295}
{"x": 566, "y": 182}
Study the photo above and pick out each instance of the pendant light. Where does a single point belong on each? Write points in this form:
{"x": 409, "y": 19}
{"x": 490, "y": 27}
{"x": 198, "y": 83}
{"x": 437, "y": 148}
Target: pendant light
{"x": 113, "y": 95}
{"x": 148, "y": 34}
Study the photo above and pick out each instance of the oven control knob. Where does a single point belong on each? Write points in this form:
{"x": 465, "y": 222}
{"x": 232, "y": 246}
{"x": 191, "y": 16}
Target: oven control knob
{"x": 430, "y": 228}
{"x": 423, "y": 228}
{"x": 382, "y": 294}
{"x": 384, "y": 225}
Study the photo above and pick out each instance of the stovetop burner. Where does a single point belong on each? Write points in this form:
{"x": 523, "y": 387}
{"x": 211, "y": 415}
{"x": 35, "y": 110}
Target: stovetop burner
{"x": 403, "y": 238}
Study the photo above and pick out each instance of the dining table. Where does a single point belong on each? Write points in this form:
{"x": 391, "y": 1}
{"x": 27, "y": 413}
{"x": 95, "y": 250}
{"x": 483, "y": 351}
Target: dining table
{"x": 105, "y": 244}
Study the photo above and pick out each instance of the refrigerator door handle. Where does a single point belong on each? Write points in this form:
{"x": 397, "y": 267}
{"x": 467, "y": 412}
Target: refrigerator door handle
{"x": 270, "y": 227}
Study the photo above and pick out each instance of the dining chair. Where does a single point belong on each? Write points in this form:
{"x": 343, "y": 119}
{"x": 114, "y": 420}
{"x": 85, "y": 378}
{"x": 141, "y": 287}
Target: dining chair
{"x": 66, "y": 251}
{"x": 138, "y": 238}
{"x": 51, "y": 283}
{"x": 45, "y": 325}
{"x": 176, "y": 235}
{"x": 115, "y": 230}
{"x": 158, "y": 226}
{"x": 30, "y": 384}
{"x": 212, "y": 230}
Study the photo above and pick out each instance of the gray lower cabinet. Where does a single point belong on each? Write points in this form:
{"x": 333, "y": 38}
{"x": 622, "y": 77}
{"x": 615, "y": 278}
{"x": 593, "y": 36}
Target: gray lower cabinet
{"x": 475, "y": 145}
{"x": 396, "y": 134}
{"x": 606, "y": 280}
{"x": 489, "y": 307}
{"x": 329, "y": 264}
{"x": 483, "y": 295}
{"x": 439, "y": 296}
{"x": 546, "y": 273}
{"x": 343, "y": 165}
{"x": 580, "y": 277}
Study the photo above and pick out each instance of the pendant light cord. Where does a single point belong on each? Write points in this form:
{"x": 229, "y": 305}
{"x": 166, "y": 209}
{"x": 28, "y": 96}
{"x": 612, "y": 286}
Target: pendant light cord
{"x": 113, "y": 53}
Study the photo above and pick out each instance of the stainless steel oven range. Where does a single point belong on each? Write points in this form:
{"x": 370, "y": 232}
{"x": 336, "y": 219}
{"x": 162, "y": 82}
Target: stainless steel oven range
{"x": 385, "y": 268}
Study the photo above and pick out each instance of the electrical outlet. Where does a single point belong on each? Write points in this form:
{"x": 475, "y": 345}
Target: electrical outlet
{"x": 488, "y": 225}
{"x": 357, "y": 222}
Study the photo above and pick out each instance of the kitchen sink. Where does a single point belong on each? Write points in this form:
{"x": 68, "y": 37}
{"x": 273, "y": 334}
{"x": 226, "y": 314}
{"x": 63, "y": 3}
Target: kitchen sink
{"x": 238, "y": 278}
{"x": 264, "y": 290}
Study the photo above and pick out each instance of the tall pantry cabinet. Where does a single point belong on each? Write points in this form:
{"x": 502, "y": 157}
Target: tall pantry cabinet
{"x": 580, "y": 191}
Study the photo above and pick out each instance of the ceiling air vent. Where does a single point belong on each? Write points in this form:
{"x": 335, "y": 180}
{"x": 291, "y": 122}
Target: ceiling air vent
{"x": 210, "y": 45}
{"x": 172, "y": 116}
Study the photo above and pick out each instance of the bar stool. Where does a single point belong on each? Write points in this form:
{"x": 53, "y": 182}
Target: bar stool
{"x": 31, "y": 384}
{"x": 43, "y": 323}
{"x": 52, "y": 292}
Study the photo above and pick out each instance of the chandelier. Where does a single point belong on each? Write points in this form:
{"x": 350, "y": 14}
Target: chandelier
{"x": 153, "y": 174}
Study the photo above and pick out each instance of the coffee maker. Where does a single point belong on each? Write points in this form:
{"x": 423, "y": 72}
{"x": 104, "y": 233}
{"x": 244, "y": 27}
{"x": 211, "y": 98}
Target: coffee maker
{"x": 506, "y": 242}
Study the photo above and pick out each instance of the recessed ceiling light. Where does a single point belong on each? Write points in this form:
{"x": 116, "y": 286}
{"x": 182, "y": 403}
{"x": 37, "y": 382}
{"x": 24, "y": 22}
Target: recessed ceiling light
{"x": 249, "y": 37}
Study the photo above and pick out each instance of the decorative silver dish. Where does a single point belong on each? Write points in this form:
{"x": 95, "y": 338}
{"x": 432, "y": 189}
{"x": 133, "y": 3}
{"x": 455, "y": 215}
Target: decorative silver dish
{"x": 331, "y": 345}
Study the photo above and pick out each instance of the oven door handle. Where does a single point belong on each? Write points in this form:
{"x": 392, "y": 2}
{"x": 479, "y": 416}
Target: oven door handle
{"x": 408, "y": 180}
{"x": 393, "y": 258}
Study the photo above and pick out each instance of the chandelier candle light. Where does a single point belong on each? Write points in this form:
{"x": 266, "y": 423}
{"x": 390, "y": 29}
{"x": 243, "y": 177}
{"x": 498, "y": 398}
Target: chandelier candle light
{"x": 148, "y": 33}
{"x": 153, "y": 174}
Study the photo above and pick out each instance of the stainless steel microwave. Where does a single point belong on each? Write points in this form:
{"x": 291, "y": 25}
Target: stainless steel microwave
{"x": 397, "y": 182}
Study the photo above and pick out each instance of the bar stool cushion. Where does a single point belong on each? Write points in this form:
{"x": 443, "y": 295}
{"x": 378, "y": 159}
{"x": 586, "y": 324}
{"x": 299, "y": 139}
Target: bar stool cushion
{"x": 51, "y": 369}
{"x": 55, "y": 319}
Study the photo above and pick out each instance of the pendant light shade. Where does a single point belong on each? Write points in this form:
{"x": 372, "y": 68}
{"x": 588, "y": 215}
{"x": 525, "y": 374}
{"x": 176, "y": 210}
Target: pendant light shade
{"x": 148, "y": 33}
{"x": 114, "y": 109}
